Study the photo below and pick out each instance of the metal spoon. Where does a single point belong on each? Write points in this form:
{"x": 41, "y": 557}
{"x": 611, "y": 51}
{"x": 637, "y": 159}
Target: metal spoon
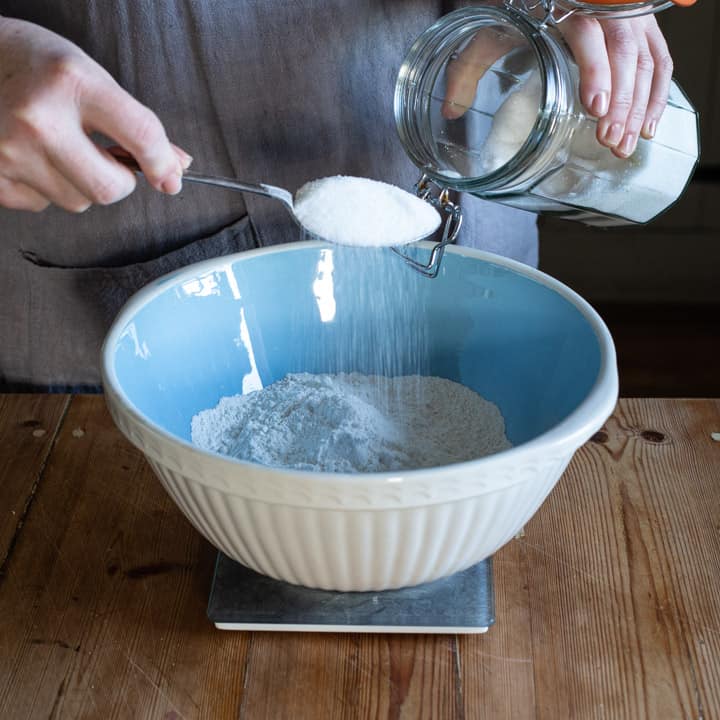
{"x": 442, "y": 205}
{"x": 285, "y": 196}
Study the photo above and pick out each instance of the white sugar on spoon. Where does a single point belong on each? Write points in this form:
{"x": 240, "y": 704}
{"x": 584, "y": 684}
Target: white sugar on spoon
{"x": 342, "y": 209}
{"x": 358, "y": 211}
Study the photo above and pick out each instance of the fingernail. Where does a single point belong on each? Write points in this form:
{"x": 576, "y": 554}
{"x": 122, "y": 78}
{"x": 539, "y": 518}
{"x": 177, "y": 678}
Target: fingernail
{"x": 613, "y": 135}
{"x": 627, "y": 147}
{"x": 172, "y": 186}
{"x": 451, "y": 111}
{"x": 650, "y": 129}
{"x": 599, "y": 104}
{"x": 186, "y": 160}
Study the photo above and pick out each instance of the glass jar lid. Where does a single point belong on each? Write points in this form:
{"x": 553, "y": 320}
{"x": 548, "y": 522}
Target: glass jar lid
{"x": 648, "y": 4}
{"x": 557, "y": 10}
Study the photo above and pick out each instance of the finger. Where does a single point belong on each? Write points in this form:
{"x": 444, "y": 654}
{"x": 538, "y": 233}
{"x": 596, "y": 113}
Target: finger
{"x": 462, "y": 80}
{"x": 661, "y": 81}
{"x": 636, "y": 115}
{"x": 92, "y": 171}
{"x": 183, "y": 157}
{"x": 117, "y": 152}
{"x": 466, "y": 69}
{"x": 18, "y": 196}
{"x": 51, "y": 184}
{"x": 108, "y": 109}
{"x": 622, "y": 54}
{"x": 644, "y": 74}
{"x": 586, "y": 39}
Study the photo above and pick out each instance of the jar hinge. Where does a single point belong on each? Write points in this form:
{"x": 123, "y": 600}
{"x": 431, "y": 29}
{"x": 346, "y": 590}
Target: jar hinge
{"x": 551, "y": 14}
{"x": 441, "y": 202}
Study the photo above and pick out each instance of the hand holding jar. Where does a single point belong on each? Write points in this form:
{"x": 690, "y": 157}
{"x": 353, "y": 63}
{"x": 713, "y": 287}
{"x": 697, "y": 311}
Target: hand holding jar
{"x": 508, "y": 106}
{"x": 625, "y": 72}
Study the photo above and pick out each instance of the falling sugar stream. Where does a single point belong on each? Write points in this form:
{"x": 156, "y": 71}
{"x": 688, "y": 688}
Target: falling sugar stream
{"x": 373, "y": 310}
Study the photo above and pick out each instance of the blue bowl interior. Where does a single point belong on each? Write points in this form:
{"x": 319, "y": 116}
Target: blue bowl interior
{"x": 236, "y": 326}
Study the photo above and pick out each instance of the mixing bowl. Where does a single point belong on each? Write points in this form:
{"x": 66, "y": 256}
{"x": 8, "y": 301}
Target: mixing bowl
{"x": 238, "y": 323}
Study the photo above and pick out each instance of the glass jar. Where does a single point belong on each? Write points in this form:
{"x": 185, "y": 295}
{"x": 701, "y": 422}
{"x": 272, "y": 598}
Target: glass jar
{"x": 524, "y": 138}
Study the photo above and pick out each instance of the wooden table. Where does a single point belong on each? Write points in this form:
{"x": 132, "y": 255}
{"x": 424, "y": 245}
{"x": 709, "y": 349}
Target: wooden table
{"x": 608, "y": 607}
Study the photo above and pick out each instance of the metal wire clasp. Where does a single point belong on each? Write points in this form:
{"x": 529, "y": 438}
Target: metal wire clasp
{"x": 550, "y": 13}
{"x": 441, "y": 202}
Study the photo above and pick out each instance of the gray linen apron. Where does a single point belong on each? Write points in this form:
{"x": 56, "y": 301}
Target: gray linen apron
{"x": 279, "y": 91}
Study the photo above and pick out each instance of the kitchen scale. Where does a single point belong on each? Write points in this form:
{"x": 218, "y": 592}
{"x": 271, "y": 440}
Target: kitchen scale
{"x": 241, "y": 599}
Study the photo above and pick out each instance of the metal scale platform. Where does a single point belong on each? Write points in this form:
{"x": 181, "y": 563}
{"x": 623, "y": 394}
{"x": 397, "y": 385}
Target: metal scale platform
{"x": 241, "y": 599}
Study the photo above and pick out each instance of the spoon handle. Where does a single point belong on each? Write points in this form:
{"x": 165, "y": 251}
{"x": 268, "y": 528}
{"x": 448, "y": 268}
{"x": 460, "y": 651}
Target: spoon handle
{"x": 258, "y": 188}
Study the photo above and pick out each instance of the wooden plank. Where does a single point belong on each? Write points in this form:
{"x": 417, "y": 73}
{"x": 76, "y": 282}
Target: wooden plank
{"x": 102, "y": 609}
{"x": 28, "y": 424}
{"x": 498, "y": 679}
{"x": 305, "y": 677}
{"x": 623, "y": 564}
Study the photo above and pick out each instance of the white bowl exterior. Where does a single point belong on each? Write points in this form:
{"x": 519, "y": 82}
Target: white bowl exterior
{"x": 360, "y": 550}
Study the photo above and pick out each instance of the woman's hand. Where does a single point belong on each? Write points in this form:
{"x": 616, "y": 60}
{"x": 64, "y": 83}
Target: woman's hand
{"x": 52, "y": 96}
{"x": 625, "y": 73}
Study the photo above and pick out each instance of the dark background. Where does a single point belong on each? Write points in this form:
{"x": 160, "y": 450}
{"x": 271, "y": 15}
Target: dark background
{"x": 658, "y": 286}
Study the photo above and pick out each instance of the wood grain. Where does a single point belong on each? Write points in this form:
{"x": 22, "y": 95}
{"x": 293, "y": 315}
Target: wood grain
{"x": 620, "y": 549}
{"x": 102, "y": 612}
{"x": 498, "y": 679}
{"x": 352, "y": 676}
{"x": 28, "y": 424}
{"x": 607, "y": 607}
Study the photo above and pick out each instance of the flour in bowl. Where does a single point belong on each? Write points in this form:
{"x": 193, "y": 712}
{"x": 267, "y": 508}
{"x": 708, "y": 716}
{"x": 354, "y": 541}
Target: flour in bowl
{"x": 353, "y": 423}
{"x": 359, "y": 211}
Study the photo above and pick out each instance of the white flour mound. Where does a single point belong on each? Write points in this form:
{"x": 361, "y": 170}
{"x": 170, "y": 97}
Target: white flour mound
{"x": 353, "y": 423}
{"x": 358, "y": 211}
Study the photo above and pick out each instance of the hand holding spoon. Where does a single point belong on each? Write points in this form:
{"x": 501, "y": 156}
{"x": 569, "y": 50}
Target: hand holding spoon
{"x": 341, "y": 209}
